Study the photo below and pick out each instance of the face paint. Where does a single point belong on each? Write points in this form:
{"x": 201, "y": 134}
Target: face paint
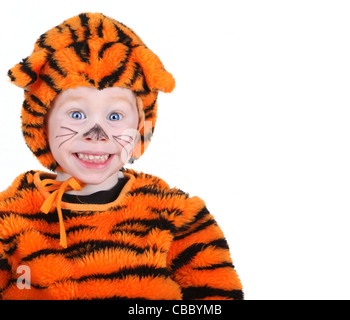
{"x": 91, "y": 132}
{"x": 67, "y": 135}
{"x": 127, "y": 143}
{"x": 96, "y": 133}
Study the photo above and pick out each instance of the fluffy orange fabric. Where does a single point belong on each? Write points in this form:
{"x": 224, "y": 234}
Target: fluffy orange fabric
{"x": 152, "y": 242}
{"x": 89, "y": 50}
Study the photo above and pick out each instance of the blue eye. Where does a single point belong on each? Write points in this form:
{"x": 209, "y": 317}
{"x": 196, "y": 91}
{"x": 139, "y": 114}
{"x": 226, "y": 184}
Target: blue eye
{"x": 78, "y": 115}
{"x": 114, "y": 116}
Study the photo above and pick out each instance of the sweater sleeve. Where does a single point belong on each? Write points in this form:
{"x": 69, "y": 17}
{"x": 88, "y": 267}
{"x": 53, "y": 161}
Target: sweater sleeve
{"x": 199, "y": 257}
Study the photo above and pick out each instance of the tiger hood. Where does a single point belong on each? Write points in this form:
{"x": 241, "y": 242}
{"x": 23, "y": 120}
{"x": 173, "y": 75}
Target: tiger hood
{"x": 89, "y": 50}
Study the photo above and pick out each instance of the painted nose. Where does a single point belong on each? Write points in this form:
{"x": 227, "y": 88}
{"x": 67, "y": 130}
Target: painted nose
{"x": 96, "y": 133}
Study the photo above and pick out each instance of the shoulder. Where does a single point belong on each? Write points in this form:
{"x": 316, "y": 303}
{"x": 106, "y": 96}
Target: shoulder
{"x": 21, "y": 183}
{"x": 145, "y": 179}
{"x": 148, "y": 183}
{"x": 156, "y": 191}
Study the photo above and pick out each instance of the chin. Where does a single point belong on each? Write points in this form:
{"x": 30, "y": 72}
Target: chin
{"x": 94, "y": 174}
{"x": 98, "y": 179}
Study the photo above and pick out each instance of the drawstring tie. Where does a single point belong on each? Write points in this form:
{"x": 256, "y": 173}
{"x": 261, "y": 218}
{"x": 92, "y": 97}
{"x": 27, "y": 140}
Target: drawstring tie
{"x": 55, "y": 198}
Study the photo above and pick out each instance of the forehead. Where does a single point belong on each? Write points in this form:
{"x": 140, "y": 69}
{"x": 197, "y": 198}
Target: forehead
{"x": 93, "y": 95}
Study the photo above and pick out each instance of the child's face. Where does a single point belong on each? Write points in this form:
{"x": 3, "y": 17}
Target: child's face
{"x": 91, "y": 132}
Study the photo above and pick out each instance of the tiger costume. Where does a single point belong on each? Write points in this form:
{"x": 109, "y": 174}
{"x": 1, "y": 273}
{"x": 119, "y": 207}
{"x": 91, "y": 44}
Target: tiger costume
{"x": 143, "y": 240}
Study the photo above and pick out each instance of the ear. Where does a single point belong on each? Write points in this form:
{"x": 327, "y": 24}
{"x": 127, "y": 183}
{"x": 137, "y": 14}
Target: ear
{"x": 156, "y": 75}
{"x": 25, "y": 73}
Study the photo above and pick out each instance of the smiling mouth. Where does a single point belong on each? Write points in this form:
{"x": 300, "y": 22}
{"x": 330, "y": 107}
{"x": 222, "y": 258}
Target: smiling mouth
{"x": 93, "y": 158}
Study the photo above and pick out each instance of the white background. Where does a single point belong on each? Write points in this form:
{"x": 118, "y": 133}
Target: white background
{"x": 258, "y": 125}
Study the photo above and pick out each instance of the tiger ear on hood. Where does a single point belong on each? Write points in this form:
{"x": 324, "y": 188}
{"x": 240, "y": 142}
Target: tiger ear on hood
{"x": 25, "y": 73}
{"x": 156, "y": 75}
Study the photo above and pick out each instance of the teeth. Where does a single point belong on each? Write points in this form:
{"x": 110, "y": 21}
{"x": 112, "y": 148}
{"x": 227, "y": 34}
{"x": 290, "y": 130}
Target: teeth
{"x": 93, "y": 158}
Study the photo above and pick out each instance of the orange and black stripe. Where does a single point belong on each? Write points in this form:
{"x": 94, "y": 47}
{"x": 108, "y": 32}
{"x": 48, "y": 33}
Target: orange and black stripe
{"x": 152, "y": 242}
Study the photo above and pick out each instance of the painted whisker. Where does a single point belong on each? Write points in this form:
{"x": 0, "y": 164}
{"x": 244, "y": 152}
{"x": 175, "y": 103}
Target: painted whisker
{"x": 71, "y": 134}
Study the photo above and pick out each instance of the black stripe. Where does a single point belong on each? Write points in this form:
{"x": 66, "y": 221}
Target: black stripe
{"x": 88, "y": 79}
{"x": 105, "y": 47}
{"x": 49, "y": 81}
{"x": 100, "y": 29}
{"x": 53, "y": 166}
{"x": 130, "y": 30}
{"x": 174, "y": 211}
{"x": 160, "y": 223}
{"x": 25, "y": 67}
{"x": 145, "y": 86}
{"x": 216, "y": 266}
{"x": 38, "y": 254}
{"x": 146, "y": 90}
{"x": 141, "y": 271}
{"x": 137, "y": 73}
{"x": 189, "y": 253}
{"x": 68, "y": 231}
{"x": 79, "y": 228}
{"x": 4, "y": 265}
{"x": 82, "y": 249}
{"x": 40, "y": 152}
{"x": 123, "y": 38}
{"x": 38, "y": 101}
{"x": 7, "y": 241}
{"x": 150, "y": 108}
{"x": 131, "y": 232}
{"x": 82, "y": 50}
{"x": 11, "y": 250}
{"x": 25, "y": 184}
{"x": 198, "y": 216}
{"x": 204, "y": 225}
{"x": 72, "y": 32}
{"x": 13, "y": 282}
{"x": 190, "y": 293}
{"x": 33, "y": 125}
{"x": 110, "y": 80}
{"x": 49, "y": 218}
{"x": 27, "y": 134}
{"x": 11, "y": 76}
{"x": 86, "y": 247}
{"x": 59, "y": 29}
{"x": 4, "y": 215}
{"x": 154, "y": 190}
{"x": 84, "y": 20}
{"x": 54, "y": 65}
{"x": 27, "y": 108}
{"x": 42, "y": 44}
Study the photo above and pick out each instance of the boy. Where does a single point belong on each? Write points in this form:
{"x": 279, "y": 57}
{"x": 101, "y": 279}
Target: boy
{"x": 95, "y": 230}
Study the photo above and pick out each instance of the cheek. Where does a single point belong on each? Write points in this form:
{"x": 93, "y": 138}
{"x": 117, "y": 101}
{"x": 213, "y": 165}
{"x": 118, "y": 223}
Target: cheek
{"x": 51, "y": 131}
{"x": 124, "y": 137}
{"x": 60, "y": 134}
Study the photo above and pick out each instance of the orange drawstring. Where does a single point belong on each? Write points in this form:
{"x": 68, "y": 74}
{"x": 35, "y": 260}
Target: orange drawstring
{"x": 59, "y": 188}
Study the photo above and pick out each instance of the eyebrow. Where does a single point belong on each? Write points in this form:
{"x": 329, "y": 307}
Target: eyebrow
{"x": 72, "y": 99}
{"x": 123, "y": 99}
{"x": 112, "y": 98}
